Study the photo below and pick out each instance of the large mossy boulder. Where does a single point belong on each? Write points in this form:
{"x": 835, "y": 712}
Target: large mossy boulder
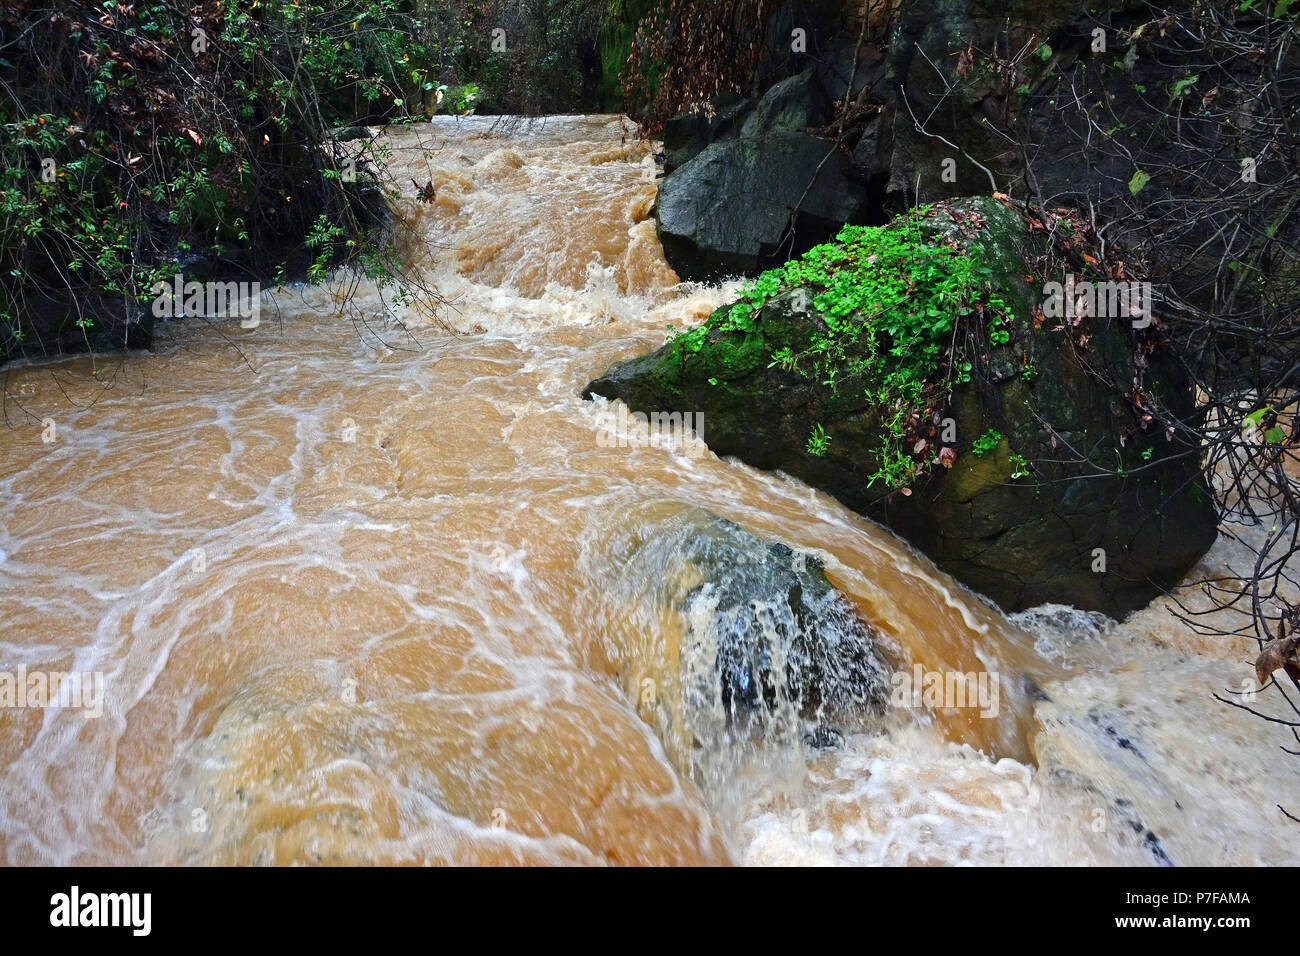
{"x": 1031, "y": 457}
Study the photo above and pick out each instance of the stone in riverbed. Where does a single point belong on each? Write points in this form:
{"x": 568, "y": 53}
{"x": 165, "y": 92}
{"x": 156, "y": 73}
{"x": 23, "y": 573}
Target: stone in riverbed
{"x": 760, "y": 635}
{"x": 777, "y": 630}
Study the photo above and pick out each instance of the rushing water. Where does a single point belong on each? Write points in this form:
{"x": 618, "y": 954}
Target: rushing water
{"x": 362, "y": 593}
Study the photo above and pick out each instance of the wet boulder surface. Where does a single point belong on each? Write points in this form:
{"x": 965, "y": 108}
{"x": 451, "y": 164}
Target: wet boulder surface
{"x": 728, "y": 211}
{"x": 762, "y": 643}
{"x": 747, "y": 183}
{"x": 777, "y": 630}
{"x": 1113, "y": 510}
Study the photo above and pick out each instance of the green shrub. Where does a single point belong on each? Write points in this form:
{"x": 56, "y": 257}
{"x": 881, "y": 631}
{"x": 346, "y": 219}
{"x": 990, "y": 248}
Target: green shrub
{"x": 891, "y": 300}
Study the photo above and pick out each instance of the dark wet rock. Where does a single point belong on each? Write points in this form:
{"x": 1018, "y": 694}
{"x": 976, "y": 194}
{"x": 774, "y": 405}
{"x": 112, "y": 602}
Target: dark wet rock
{"x": 868, "y": 153}
{"x": 777, "y": 629}
{"x": 736, "y": 172}
{"x": 1021, "y": 542}
{"x": 791, "y": 106}
{"x": 687, "y": 135}
{"x": 823, "y": 738}
{"x": 67, "y": 325}
{"x": 353, "y": 133}
{"x": 728, "y": 210}
{"x": 765, "y": 636}
{"x": 1033, "y": 690}
{"x": 835, "y": 68}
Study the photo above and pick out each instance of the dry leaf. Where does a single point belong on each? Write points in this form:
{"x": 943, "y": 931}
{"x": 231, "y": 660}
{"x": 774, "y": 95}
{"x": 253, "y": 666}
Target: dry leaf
{"x": 1279, "y": 654}
{"x": 425, "y": 193}
{"x": 964, "y": 62}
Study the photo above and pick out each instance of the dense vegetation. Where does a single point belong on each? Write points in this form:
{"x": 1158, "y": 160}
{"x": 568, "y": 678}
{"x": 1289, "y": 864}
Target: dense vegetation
{"x": 891, "y": 298}
{"x": 142, "y": 139}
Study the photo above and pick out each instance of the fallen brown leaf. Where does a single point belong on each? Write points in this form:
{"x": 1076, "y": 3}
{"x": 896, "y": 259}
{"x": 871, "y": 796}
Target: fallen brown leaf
{"x": 425, "y": 193}
{"x": 964, "y": 62}
{"x": 1279, "y": 654}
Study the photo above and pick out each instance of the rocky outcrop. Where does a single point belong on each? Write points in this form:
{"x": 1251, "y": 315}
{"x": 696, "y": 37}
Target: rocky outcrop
{"x": 791, "y": 106}
{"x": 731, "y": 209}
{"x": 748, "y": 186}
{"x": 1111, "y": 510}
{"x": 687, "y": 135}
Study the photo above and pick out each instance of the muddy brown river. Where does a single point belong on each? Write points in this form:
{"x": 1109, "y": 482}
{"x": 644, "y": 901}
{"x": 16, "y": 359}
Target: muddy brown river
{"x": 359, "y": 593}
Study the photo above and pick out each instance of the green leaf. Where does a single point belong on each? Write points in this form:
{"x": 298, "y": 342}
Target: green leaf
{"x": 1181, "y": 87}
{"x": 1139, "y": 180}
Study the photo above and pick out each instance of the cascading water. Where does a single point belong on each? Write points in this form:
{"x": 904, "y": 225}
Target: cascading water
{"x": 379, "y": 593}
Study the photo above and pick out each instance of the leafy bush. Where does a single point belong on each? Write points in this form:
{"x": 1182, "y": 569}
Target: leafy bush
{"x": 986, "y": 442}
{"x": 140, "y": 137}
{"x": 890, "y": 300}
{"x": 684, "y": 52}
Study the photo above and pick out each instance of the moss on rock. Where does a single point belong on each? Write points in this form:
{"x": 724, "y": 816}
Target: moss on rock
{"x": 894, "y": 349}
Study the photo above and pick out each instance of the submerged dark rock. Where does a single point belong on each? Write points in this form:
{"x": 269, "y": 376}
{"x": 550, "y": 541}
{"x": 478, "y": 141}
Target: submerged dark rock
{"x": 777, "y": 630}
{"x": 762, "y": 637}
